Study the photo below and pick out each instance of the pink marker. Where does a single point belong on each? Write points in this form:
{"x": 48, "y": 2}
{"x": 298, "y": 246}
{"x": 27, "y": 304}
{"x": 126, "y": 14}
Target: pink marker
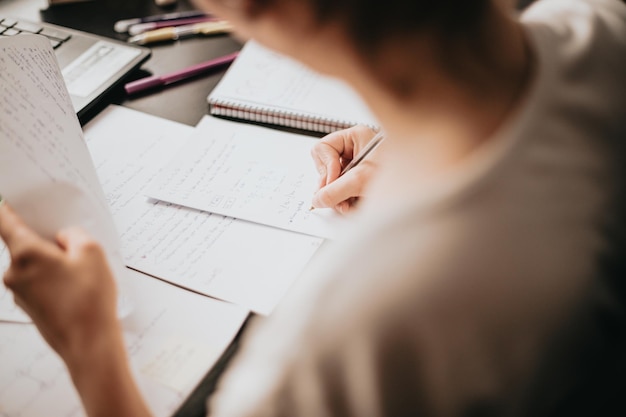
{"x": 176, "y": 76}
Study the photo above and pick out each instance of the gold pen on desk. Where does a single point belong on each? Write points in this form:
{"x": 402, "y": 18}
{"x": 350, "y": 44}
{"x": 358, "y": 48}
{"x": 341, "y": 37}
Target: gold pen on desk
{"x": 179, "y": 32}
{"x": 371, "y": 145}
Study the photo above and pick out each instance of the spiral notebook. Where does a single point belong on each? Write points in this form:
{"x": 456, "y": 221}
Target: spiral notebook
{"x": 264, "y": 86}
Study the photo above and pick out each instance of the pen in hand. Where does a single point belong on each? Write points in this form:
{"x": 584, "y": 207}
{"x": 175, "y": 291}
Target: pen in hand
{"x": 371, "y": 145}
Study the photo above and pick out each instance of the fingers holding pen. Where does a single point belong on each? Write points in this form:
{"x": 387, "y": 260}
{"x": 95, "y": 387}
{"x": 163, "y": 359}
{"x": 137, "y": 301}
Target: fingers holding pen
{"x": 333, "y": 156}
{"x": 333, "y": 152}
{"x": 327, "y": 162}
{"x": 328, "y": 154}
{"x": 344, "y": 192}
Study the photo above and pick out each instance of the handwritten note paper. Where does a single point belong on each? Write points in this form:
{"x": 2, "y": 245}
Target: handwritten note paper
{"x": 241, "y": 262}
{"x": 175, "y": 364}
{"x": 250, "y": 173}
{"x": 41, "y": 137}
{"x": 46, "y": 172}
{"x": 34, "y": 381}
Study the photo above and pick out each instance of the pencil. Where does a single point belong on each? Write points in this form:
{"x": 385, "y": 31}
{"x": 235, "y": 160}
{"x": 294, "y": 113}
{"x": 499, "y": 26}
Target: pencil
{"x": 371, "y": 145}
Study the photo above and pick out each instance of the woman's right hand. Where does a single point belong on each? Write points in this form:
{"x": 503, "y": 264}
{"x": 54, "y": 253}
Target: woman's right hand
{"x": 331, "y": 155}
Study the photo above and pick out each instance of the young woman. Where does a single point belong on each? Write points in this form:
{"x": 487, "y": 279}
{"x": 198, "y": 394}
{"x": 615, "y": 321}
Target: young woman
{"x": 483, "y": 250}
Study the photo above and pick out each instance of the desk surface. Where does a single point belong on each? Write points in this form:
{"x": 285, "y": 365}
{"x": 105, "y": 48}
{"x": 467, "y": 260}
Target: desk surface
{"x": 184, "y": 102}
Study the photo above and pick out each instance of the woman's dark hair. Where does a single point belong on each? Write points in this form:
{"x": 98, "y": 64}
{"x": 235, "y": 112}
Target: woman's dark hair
{"x": 455, "y": 27}
{"x": 369, "y": 22}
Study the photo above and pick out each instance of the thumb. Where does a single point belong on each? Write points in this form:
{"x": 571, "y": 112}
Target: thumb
{"x": 16, "y": 234}
{"x": 342, "y": 189}
{"x": 74, "y": 241}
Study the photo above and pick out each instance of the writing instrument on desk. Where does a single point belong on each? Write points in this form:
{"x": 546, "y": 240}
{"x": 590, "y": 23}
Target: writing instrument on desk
{"x": 176, "y": 76}
{"x": 122, "y": 26}
{"x": 371, "y": 145}
{"x": 145, "y": 27}
{"x": 180, "y": 32}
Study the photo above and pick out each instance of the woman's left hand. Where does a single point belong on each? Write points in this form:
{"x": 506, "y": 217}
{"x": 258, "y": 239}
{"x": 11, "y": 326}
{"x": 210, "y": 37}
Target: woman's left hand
{"x": 65, "y": 286}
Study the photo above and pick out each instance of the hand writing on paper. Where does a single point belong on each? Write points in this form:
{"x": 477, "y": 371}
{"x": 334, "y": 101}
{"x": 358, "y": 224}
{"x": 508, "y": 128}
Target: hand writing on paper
{"x": 331, "y": 155}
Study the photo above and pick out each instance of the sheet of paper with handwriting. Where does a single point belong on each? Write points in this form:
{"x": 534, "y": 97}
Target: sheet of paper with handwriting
{"x": 237, "y": 261}
{"x": 248, "y": 172}
{"x": 46, "y": 172}
{"x": 173, "y": 337}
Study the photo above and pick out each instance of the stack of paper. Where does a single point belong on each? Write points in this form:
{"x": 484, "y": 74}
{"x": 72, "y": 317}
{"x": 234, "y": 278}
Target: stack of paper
{"x": 238, "y": 261}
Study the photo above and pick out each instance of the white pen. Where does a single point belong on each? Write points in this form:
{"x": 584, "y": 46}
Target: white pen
{"x": 123, "y": 25}
{"x": 179, "y": 32}
{"x": 145, "y": 27}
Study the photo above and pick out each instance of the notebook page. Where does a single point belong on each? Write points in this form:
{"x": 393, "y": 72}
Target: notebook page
{"x": 261, "y": 78}
{"x": 250, "y": 173}
{"x": 46, "y": 172}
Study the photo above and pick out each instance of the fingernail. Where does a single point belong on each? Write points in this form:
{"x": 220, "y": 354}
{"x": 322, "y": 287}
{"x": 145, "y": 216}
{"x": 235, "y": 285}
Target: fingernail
{"x": 343, "y": 207}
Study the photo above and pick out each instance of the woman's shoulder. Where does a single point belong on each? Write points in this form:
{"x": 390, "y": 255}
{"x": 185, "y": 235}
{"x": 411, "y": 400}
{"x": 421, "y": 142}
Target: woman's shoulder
{"x": 578, "y": 27}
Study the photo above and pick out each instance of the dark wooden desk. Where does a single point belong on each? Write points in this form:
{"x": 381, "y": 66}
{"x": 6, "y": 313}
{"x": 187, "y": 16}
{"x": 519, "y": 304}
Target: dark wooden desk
{"x": 185, "y": 102}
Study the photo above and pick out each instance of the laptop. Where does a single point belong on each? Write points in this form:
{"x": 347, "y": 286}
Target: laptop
{"x": 91, "y": 65}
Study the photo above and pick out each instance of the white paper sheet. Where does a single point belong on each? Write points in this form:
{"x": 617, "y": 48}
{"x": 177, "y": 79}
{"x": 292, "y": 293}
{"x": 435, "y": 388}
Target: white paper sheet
{"x": 166, "y": 322}
{"x": 46, "y": 173}
{"x": 248, "y": 172}
{"x": 237, "y": 261}
{"x": 8, "y": 310}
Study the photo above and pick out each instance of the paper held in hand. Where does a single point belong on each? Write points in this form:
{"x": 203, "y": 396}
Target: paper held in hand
{"x": 46, "y": 172}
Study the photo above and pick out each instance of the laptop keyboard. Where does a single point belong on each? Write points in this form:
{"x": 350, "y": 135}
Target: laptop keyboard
{"x": 12, "y": 27}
